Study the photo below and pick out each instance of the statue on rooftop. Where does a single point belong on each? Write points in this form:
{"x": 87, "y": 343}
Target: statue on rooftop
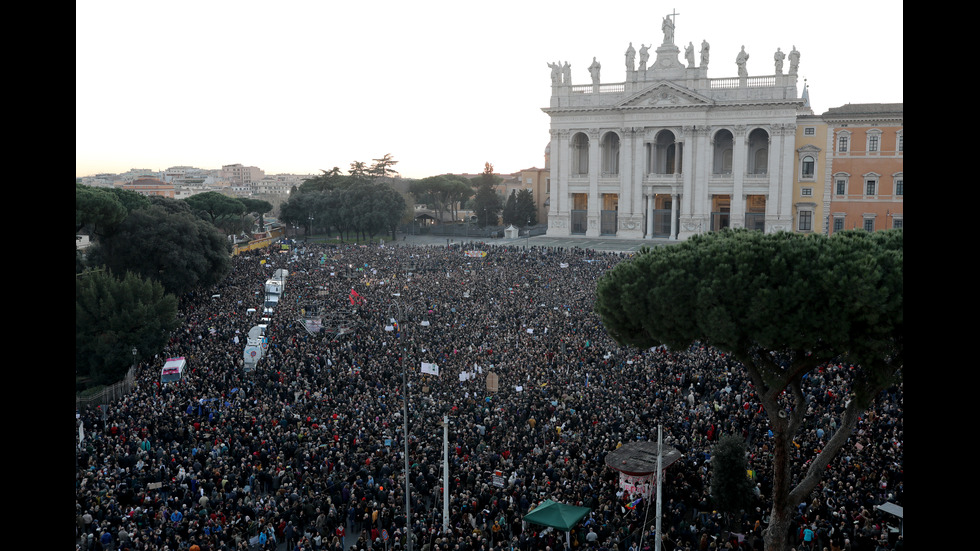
{"x": 740, "y": 61}
{"x": 689, "y": 54}
{"x": 644, "y": 56}
{"x": 779, "y": 56}
{"x": 705, "y": 50}
{"x": 668, "y": 28}
{"x": 594, "y": 71}
{"x": 630, "y": 58}
{"x": 794, "y": 61}
{"x": 555, "y": 74}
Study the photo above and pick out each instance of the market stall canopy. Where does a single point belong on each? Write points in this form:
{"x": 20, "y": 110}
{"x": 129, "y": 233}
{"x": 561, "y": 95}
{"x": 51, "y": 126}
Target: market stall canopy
{"x": 557, "y": 515}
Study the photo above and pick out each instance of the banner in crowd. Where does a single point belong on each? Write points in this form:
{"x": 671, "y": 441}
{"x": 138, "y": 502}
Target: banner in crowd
{"x": 431, "y": 369}
{"x": 638, "y": 485}
{"x": 313, "y": 325}
{"x": 476, "y": 254}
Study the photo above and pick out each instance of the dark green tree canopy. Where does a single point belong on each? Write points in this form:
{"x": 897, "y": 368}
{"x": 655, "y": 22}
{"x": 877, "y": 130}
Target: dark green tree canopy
{"x": 97, "y": 210}
{"x": 130, "y": 199}
{"x": 486, "y": 202}
{"x": 329, "y": 180}
{"x": 383, "y": 167}
{"x": 171, "y": 206}
{"x": 257, "y": 206}
{"x": 112, "y": 316}
{"x": 363, "y": 209}
{"x": 211, "y": 205}
{"x": 180, "y": 250}
{"x": 442, "y": 193}
{"x": 526, "y": 213}
{"x": 731, "y": 489}
{"x": 782, "y": 304}
{"x": 808, "y": 299}
{"x": 509, "y": 214}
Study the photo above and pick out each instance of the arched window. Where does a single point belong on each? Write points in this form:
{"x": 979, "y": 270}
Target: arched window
{"x": 761, "y": 162}
{"x": 664, "y": 154}
{"x": 610, "y": 154}
{"x": 807, "y": 167}
{"x": 758, "y": 151}
{"x": 723, "y": 148}
{"x": 580, "y": 154}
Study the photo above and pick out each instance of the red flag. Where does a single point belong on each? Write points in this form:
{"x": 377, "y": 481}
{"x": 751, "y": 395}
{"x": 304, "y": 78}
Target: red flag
{"x": 355, "y": 298}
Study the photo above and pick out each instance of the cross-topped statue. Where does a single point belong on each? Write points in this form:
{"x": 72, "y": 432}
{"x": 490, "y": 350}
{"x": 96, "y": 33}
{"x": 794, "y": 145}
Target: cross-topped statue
{"x": 668, "y": 27}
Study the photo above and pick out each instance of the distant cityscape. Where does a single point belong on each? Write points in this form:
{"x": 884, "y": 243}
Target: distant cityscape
{"x": 181, "y": 182}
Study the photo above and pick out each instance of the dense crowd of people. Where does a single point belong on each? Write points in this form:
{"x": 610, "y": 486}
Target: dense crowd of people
{"x": 306, "y": 452}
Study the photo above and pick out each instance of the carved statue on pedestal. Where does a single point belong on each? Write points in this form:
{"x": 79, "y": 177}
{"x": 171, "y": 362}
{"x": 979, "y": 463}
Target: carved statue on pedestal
{"x": 779, "y": 56}
{"x": 740, "y": 61}
{"x": 794, "y": 61}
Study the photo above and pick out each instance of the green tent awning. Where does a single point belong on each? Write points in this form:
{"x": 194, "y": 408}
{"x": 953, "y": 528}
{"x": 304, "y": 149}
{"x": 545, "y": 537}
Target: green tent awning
{"x": 557, "y": 515}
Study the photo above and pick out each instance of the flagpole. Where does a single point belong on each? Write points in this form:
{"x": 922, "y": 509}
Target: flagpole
{"x": 659, "y": 541}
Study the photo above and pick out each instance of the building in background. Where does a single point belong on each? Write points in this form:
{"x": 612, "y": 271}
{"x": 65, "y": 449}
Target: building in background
{"x": 811, "y": 189}
{"x": 241, "y": 178}
{"x": 867, "y": 179}
{"x": 150, "y": 187}
{"x": 538, "y": 180}
{"x": 669, "y": 152}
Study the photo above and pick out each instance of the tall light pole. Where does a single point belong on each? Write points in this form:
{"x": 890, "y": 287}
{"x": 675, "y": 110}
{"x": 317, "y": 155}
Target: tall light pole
{"x": 658, "y": 543}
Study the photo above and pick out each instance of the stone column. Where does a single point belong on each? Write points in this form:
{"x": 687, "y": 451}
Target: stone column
{"x": 559, "y": 219}
{"x": 781, "y": 176}
{"x": 674, "y": 205}
{"x": 739, "y": 162}
{"x": 651, "y": 202}
{"x": 678, "y": 156}
{"x": 595, "y": 203}
{"x": 639, "y": 159}
{"x": 630, "y": 194}
{"x": 692, "y": 198}
{"x": 626, "y": 192}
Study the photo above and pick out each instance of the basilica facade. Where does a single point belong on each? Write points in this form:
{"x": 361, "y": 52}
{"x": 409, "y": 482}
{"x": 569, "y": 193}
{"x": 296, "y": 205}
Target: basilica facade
{"x": 670, "y": 153}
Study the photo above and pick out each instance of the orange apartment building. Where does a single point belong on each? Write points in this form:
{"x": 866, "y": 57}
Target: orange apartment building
{"x": 866, "y": 183}
{"x": 150, "y": 187}
{"x": 538, "y": 180}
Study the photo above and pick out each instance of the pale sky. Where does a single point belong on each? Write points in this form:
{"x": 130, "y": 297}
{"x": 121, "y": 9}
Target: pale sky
{"x": 443, "y": 86}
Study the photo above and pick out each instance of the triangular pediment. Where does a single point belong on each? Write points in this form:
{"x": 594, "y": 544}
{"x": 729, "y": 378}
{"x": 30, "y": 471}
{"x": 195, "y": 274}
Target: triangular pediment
{"x": 666, "y": 94}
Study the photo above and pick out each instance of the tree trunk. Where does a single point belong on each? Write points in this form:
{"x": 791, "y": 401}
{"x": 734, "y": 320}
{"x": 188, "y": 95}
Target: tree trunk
{"x": 776, "y": 536}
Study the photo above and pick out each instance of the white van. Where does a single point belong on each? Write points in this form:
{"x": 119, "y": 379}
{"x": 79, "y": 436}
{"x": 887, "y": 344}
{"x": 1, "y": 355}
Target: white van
{"x": 172, "y": 370}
